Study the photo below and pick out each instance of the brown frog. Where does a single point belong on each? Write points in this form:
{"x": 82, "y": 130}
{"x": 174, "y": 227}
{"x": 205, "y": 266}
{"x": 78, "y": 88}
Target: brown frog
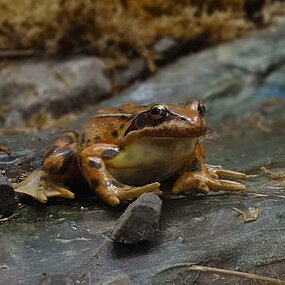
{"x": 126, "y": 151}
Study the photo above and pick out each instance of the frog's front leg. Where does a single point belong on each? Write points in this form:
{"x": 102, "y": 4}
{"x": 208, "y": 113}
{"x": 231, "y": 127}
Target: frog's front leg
{"x": 95, "y": 172}
{"x": 59, "y": 167}
{"x": 204, "y": 178}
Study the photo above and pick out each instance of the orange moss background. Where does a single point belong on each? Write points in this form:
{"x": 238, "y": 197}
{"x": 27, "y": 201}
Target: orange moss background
{"x": 118, "y": 28}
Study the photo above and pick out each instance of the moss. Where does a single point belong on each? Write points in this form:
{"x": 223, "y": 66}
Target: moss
{"x": 117, "y": 28}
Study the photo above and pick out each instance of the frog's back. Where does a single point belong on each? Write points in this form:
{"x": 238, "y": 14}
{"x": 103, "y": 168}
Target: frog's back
{"x": 107, "y": 124}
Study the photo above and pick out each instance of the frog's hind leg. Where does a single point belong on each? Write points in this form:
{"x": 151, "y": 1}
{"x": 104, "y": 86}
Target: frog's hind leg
{"x": 102, "y": 182}
{"x": 38, "y": 186}
{"x": 59, "y": 166}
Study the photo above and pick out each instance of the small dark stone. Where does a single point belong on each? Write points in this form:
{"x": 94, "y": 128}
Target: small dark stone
{"x": 7, "y": 197}
{"x": 140, "y": 221}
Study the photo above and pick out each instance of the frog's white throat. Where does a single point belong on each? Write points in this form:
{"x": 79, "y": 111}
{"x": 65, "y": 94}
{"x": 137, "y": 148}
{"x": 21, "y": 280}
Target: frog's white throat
{"x": 151, "y": 159}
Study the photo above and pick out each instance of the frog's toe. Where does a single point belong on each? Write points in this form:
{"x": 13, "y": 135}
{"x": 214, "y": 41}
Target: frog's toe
{"x": 40, "y": 188}
{"x": 132, "y": 192}
{"x": 32, "y": 186}
{"x": 226, "y": 185}
{"x": 51, "y": 189}
{"x": 218, "y": 171}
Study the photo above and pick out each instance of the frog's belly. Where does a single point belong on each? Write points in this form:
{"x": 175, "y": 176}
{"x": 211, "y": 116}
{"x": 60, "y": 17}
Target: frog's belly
{"x": 147, "y": 161}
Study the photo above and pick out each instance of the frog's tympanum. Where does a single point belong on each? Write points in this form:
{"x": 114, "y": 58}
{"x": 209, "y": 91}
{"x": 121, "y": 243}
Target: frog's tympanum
{"x": 126, "y": 151}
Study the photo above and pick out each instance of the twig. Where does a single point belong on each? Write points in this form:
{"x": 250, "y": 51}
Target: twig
{"x": 267, "y": 195}
{"x": 262, "y": 279}
{"x": 273, "y": 175}
{"x": 9, "y": 218}
{"x": 17, "y": 53}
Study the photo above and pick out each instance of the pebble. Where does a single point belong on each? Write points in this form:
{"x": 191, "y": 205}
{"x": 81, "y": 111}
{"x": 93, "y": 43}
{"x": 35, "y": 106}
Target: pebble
{"x": 140, "y": 221}
{"x": 7, "y": 197}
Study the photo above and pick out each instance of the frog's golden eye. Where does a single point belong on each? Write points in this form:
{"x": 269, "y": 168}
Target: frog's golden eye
{"x": 157, "y": 112}
{"x": 201, "y": 109}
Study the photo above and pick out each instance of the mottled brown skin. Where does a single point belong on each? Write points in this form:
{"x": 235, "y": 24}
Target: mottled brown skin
{"x": 126, "y": 151}
{"x": 5, "y": 149}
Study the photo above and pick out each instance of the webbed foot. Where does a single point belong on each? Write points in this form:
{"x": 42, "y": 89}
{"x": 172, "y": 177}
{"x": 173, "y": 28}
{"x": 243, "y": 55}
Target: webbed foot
{"x": 40, "y": 187}
{"x": 204, "y": 182}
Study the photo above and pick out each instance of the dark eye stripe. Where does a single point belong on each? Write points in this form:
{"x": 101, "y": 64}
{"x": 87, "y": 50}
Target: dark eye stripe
{"x": 140, "y": 122}
{"x": 201, "y": 110}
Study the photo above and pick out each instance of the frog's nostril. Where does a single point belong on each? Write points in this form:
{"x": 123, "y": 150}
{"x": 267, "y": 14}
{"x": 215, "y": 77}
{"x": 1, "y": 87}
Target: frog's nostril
{"x": 183, "y": 119}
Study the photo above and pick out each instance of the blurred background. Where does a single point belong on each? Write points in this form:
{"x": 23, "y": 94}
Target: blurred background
{"x": 59, "y": 57}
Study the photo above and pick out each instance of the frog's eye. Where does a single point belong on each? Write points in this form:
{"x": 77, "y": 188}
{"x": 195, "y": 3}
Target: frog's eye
{"x": 157, "y": 112}
{"x": 201, "y": 110}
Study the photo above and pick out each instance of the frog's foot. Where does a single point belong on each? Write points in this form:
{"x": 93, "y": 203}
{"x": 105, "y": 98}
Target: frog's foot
{"x": 203, "y": 183}
{"x": 115, "y": 192}
{"x": 38, "y": 186}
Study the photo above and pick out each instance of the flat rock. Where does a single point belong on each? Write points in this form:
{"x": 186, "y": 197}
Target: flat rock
{"x": 140, "y": 221}
{"x": 56, "y": 87}
{"x": 7, "y": 197}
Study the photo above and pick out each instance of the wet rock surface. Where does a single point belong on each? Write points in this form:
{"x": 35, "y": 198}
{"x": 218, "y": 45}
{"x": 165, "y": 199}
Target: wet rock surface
{"x": 29, "y": 88}
{"x": 242, "y": 84}
{"x": 140, "y": 221}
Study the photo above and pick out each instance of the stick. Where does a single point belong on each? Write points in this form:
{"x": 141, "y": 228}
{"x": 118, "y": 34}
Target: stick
{"x": 266, "y": 280}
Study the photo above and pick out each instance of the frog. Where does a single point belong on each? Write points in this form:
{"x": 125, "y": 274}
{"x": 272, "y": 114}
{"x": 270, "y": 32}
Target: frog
{"x": 129, "y": 150}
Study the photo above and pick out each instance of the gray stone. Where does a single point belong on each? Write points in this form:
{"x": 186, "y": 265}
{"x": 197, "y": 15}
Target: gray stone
{"x": 56, "y": 87}
{"x": 7, "y": 197}
{"x": 125, "y": 76}
{"x": 164, "y": 44}
{"x": 140, "y": 221}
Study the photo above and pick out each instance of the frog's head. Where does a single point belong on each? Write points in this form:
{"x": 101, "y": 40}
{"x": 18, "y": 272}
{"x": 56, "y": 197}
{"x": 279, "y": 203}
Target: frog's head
{"x": 168, "y": 121}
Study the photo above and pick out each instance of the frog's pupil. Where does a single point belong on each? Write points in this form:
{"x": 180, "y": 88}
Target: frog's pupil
{"x": 156, "y": 111}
